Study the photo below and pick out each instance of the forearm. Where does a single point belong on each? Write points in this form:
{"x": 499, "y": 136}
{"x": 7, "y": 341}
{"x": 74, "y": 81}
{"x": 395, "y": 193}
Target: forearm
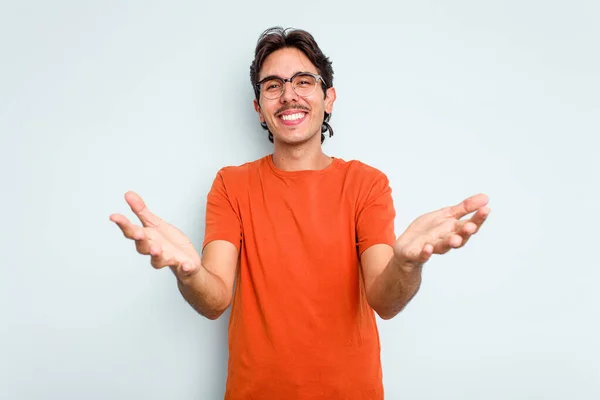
{"x": 205, "y": 292}
{"x": 394, "y": 287}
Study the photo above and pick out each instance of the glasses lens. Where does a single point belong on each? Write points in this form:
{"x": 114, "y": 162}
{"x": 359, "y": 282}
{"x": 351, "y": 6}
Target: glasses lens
{"x": 304, "y": 84}
{"x": 271, "y": 88}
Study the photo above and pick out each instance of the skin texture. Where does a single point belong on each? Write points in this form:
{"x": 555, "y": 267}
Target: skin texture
{"x": 392, "y": 274}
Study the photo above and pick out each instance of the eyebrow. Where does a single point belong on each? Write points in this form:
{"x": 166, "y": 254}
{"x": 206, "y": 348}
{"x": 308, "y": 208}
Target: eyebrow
{"x": 269, "y": 77}
{"x": 277, "y": 76}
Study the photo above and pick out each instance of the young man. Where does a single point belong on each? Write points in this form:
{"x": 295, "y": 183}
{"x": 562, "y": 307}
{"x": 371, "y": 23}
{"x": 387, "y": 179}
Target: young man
{"x": 309, "y": 238}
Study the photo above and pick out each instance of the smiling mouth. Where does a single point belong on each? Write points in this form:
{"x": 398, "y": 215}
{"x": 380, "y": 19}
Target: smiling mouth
{"x": 292, "y": 117}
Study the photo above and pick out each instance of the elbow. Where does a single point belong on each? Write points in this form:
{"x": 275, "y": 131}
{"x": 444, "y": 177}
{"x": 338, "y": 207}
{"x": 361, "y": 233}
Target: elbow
{"x": 214, "y": 313}
{"x": 385, "y": 314}
{"x": 384, "y": 311}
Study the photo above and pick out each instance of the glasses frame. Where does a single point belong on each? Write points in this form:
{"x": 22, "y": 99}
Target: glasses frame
{"x": 290, "y": 79}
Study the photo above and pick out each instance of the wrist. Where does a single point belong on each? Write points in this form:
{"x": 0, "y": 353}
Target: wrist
{"x": 407, "y": 265}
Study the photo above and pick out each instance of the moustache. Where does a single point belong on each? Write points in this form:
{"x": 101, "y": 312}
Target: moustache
{"x": 292, "y": 107}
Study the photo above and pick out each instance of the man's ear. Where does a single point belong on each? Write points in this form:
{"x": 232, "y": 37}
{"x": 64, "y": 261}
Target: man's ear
{"x": 330, "y": 97}
{"x": 257, "y": 108}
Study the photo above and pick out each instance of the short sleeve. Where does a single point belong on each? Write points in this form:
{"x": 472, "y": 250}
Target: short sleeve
{"x": 375, "y": 216}
{"x": 222, "y": 220}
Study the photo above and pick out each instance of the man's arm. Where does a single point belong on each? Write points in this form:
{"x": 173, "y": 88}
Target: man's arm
{"x": 206, "y": 281}
{"x": 392, "y": 274}
{"x": 209, "y": 289}
{"x": 389, "y": 283}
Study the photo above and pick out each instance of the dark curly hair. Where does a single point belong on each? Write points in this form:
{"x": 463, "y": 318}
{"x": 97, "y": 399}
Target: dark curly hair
{"x": 277, "y": 38}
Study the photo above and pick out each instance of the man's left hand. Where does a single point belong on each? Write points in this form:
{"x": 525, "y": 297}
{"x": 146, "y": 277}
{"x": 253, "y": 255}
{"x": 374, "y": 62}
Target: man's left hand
{"x": 439, "y": 231}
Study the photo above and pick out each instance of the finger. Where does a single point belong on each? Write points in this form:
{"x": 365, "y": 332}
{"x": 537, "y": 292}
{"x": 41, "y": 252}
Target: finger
{"x": 472, "y": 226}
{"x": 480, "y": 216}
{"x": 161, "y": 257}
{"x": 451, "y": 241}
{"x": 143, "y": 247}
{"x": 140, "y": 210}
{"x": 468, "y": 205}
{"x": 125, "y": 225}
{"x": 426, "y": 252}
{"x": 466, "y": 228}
{"x": 450, "y": 234}
{"x": 454, "y": 241}
{"x": 157, "y": 256}
{"x": 139, "y": 233}
{"x": 187, "y": 269}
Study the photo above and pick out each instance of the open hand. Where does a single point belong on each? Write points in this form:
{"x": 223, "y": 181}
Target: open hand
{"x": 439, "y": 231}
{"x": 166, "y": 245}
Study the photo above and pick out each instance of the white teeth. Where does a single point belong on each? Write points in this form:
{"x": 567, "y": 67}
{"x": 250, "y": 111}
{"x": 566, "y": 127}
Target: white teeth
{"x": 292, "y": 117}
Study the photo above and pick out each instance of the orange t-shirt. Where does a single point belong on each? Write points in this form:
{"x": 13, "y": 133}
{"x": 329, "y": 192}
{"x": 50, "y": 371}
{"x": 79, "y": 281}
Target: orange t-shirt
{"x": 300, "y": 325}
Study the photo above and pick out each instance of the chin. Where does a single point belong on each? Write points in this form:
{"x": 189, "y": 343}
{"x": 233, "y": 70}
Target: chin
{"x": 294, "y": 137}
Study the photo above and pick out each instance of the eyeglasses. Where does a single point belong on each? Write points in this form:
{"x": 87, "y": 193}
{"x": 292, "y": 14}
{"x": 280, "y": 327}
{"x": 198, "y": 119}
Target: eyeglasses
{"x": 303, "y": 83}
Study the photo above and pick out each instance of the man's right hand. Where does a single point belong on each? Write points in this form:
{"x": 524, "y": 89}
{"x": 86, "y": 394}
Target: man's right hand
{"x": 166, "y": 245}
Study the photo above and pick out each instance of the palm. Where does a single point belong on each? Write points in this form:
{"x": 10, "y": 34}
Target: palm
{"x": 439, "y": 231}
{"x": 175, "y": 244}
{"x": 166, "y": 244}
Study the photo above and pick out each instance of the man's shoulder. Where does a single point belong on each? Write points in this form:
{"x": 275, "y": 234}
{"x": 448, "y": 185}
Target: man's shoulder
{"x": 242, "y": 169}
{"x": 362, "y": 169}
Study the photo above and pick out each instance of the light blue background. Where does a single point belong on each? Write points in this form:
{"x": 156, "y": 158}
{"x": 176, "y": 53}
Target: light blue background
{"x": 447, "y": 98}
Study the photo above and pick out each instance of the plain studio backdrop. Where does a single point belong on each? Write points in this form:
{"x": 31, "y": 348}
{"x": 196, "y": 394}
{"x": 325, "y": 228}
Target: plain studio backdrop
{"x": 449, "y": 99}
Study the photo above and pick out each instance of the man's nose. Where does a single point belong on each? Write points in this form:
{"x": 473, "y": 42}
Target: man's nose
{"x": 289, "y": 94}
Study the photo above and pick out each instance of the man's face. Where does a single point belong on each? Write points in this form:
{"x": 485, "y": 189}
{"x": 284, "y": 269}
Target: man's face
{"x": 291, "y": 118}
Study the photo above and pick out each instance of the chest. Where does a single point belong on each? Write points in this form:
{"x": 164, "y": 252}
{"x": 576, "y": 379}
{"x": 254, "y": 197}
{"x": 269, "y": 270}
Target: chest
{"x": 307, "y": 219}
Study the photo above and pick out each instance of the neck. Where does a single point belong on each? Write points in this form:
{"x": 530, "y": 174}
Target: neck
{"x": 305, "y": 156}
